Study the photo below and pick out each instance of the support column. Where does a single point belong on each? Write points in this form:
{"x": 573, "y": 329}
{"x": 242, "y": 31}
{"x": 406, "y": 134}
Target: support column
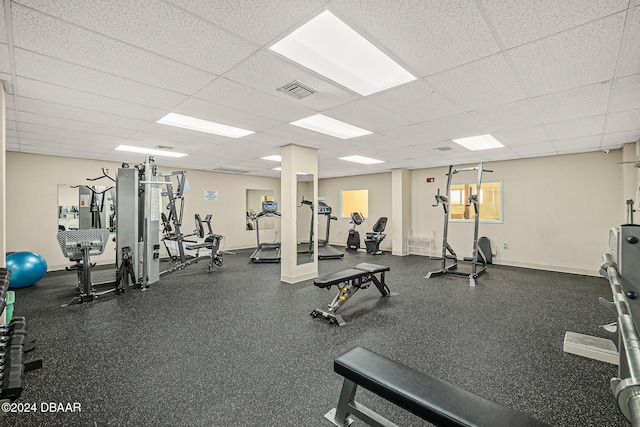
{"x": 295, "y": 160}
{"x": 3, "y": 178}
{"x": 400, "y": 210}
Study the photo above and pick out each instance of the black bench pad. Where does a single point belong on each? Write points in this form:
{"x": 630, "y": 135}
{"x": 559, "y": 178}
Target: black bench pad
{"x": 338, "y": 277}
{"x": 371, "y": 268}
{"x": 434, "y": 400}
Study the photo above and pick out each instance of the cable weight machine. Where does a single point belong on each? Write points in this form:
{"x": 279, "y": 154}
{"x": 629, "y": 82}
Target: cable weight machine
{"x": 478, "y": 260}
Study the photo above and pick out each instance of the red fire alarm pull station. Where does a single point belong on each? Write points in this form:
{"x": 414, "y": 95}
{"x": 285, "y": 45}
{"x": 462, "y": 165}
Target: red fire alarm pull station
{"x": 431, "y": 180}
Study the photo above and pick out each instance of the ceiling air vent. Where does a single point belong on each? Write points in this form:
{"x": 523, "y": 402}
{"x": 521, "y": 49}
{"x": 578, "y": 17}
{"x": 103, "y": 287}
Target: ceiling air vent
{"x": 297, "y": 89}
{"x": 230, "y": 170}
{"x": 443, "y": 148}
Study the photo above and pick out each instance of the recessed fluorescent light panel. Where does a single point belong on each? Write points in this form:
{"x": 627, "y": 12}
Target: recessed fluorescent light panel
{"x": 361, "y": 159}
{"x": 274, "y": 158}
{"x": 480, "y": 142}
{"x": 186, "y": 122}
{"x": 331, "y": 48}
{"x": 329, "y": 126}
{"x": 151, "y": 151}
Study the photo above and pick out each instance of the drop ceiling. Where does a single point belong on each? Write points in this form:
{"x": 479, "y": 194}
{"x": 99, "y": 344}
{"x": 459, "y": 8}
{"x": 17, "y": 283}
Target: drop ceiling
{"x": 545, "y": 77}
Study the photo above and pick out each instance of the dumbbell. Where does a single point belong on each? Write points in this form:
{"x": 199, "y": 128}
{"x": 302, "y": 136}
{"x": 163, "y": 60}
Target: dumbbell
{"x": 17, "y": 327}
{"x": 15, "y": 339}
{"x": 12, "y": 382}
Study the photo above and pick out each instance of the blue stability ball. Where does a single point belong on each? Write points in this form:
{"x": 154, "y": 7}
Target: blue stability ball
{"x": 26, "y": 269}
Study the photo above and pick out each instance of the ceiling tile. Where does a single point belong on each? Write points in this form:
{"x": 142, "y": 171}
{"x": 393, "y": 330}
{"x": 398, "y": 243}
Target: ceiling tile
{"x": 514, "y": 115}
{"x": 266, "y": 72}
{"x": 578, "y": 57}
{"x": 62, "y": 148}
{"x": 521, "y": 22}
{"x": 619, "y": 138}
{"x": 5, "y": 66}
{"x": 577, "y": 144}
{"x": 625, "y": 94}
{"x": 39, "y": 67}
{"x": 480, "y": 84}
{"x": 459, "y": 126}
{"x": 416, "y": 101}
{"x": 412, "y": 135}
{"x": 72, "y": 113}
{"x": 575, "y": 128}
{"x": 3, "y": 27}
{"x": 220, "y": 114}
{"x": 341, "y": 148}
{"x": 79, "y": 141}
{"x": 157, "y": 27}
{"x": 57, "y": 122}
{"x": 229, "y": 93}
{"x": 95, "y": 138}
{"x": 61, "y": 95}
{"x": 427, "y": 36}
{"x": 630, "y": 55}
{"x": 46, "y": 35}
{"x": 467, "y": 157}
{"x": 366, "y": 115}
{"x": 259, "y": 22}
{"x": 522, "y": 136}
{"x": 622, "y": 121}
{"x": 575, "y": 103}
{"x": 266, "y": 139}
{"x": 537, "y": 149}
{"x": 300, "y": 136}
{"x": 170, "y": 135}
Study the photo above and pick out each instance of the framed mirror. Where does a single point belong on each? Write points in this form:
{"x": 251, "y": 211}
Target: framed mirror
{"x": 304, "y": 218}
{"x": 86, "y": 206}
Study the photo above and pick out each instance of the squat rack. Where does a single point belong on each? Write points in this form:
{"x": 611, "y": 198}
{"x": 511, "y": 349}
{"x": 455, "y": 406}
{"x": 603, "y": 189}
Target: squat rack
{"x": 478, "y": 260}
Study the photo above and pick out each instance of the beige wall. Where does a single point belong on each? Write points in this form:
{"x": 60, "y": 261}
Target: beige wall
{"x": 557, "y": 211}
{"x": 379, "y": 186}
{"x": 32, "y": 182}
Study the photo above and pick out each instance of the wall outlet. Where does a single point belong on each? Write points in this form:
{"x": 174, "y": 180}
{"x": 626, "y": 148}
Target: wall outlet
{"x": 504, "y": 245}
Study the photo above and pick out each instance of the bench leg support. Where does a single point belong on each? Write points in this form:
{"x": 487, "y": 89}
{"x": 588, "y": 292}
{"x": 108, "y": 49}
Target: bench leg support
{"x": 347, "y": 405}
{"x": 341, "y": 413}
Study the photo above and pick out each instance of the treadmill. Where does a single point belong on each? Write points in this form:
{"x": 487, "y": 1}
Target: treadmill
{"x": 326, "y": 251}
{"x": 266, "y": 252}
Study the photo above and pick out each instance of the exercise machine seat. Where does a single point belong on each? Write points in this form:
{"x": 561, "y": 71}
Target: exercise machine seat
{"x": 373, "y": 239}
{"x": 328, "y": 280}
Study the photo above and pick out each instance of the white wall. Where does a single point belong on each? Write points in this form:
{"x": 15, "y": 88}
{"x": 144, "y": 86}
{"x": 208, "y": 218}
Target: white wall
{"x": 557, "y": 211}
{"x": 379, "y": 186}
{"x": 32, "y": 184}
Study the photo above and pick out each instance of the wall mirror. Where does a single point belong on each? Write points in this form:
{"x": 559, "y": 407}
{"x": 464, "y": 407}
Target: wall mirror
{"x": 86, "y": 206}
{"x": 304, "y": 217}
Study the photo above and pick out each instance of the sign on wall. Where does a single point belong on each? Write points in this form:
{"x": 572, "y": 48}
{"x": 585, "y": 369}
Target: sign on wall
{"x": 211, "y": 194}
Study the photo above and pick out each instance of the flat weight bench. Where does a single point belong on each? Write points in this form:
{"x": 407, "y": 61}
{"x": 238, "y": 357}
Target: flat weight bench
{"x": 431, "y": 399}
{"x": 349, "y": 281}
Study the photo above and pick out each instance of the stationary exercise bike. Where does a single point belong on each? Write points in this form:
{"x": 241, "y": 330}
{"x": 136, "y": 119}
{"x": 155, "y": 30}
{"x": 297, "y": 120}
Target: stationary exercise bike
{"x": 353, "y": 240}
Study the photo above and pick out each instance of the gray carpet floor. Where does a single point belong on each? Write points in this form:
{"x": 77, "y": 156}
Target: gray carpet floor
{"x": 236, "y": 347}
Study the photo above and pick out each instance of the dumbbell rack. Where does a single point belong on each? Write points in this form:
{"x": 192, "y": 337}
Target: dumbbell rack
{"x": 13, "y": 345}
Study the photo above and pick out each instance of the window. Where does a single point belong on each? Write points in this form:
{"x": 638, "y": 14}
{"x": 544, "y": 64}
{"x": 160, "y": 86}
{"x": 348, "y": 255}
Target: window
{"x": 354, "y": 201}
{"x": 490, "y": 198}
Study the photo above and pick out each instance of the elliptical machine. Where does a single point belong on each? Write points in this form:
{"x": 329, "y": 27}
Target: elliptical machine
{"x": 353, "y": 240}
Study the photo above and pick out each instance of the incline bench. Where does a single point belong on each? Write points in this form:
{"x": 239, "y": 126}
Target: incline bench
{"x": 349, "y": 281}
{"x": 433, "y": 400}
